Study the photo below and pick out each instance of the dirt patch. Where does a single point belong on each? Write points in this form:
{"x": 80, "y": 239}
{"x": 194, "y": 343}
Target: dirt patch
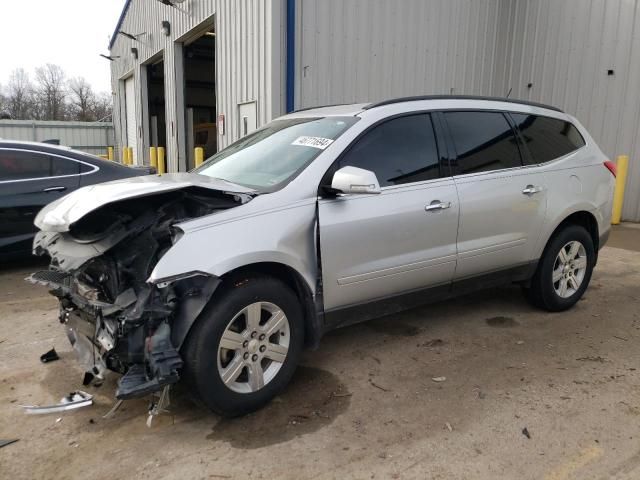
{"x": 313, "y": 400}
{"x": 502, "y": 322}
{"x": 393, "y": 326}
{"x": 434, "y": 343}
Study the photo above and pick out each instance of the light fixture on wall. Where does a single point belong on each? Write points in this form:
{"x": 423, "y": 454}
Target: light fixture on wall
{"x": 128, "y": 35}
{"x": 109, "y": 57}
{"x": 134, "y": 52}
{"x": 166, "y": 28}
{"x": 174, "y": 4}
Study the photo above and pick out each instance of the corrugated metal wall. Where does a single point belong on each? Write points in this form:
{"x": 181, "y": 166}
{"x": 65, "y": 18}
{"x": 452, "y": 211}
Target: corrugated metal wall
{"x": 248, "y": 63}
{"x": 86, "y": 136}
{"x": 565, "y": 50}
{"x": 367, "y": 50}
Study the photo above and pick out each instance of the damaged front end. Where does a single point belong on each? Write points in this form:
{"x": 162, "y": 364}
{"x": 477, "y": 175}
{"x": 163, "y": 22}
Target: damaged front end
{"x": 115, "y": 319}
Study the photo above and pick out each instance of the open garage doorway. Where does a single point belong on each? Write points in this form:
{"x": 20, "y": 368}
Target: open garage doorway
{"x": 200, "y": 95}
{"x": 156, "y": 104}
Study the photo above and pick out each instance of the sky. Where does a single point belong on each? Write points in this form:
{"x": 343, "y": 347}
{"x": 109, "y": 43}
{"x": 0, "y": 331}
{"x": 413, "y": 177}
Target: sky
{"x": 70, "y": 33}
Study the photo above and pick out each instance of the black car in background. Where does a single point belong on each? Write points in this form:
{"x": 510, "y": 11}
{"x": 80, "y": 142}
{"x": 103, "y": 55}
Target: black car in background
{"x": 34, "y": 174}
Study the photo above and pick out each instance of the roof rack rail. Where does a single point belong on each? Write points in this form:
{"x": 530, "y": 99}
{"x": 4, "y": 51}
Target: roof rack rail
{"x": 318, "y": 106}
{"x": 459, "y": 97}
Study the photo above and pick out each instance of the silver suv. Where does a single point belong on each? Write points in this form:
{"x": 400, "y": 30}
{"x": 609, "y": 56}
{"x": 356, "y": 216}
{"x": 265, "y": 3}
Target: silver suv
{"x": 322, "y": 218}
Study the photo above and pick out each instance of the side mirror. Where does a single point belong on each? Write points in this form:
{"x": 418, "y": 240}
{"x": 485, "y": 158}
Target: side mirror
{"x": 355, "y": 180}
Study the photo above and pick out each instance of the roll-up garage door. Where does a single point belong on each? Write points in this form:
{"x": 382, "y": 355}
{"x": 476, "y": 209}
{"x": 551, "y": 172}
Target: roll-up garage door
{"x": 130, "y": 103}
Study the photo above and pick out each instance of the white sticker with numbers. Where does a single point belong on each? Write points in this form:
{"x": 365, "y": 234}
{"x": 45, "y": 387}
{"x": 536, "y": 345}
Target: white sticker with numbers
{"x": 315, "y": 142}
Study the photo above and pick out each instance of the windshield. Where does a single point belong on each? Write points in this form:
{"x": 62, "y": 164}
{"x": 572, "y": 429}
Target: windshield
{"x": 269, "y": 158}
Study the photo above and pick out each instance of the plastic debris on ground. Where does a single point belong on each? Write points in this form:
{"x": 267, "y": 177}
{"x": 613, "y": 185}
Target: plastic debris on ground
{"x": 4, "y": 443}
{"x": 74, "y": 400}
{"x": 50, "y": 356}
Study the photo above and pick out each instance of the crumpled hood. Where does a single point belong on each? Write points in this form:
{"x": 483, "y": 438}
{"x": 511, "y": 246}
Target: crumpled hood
{"x": 58, "y": 216}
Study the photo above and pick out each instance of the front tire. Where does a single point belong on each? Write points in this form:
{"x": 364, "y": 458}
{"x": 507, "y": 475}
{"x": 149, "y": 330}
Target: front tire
{"x": 564, "y": 271}
{"x": 245, "y": 347}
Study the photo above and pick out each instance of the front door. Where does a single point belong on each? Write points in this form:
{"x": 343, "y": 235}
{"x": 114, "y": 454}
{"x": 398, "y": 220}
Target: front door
{"x": 402, "y": 240}
{"x": 502, "y": 202}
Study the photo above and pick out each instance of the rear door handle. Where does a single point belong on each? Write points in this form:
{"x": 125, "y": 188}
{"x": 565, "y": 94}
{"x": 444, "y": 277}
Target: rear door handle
{"x": 531, "y": 189}
{"x": 437, "y": 205}
{"x": 55, "y": 189}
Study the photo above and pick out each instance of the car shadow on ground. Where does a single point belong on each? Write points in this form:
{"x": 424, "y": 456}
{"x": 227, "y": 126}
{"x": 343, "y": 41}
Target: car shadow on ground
{"x": 318, "y": 394}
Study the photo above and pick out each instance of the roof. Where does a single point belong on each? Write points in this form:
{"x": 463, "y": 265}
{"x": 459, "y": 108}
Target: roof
{"x": 459, "y": 97}
{"x": 344, "y": 110}
{"x": 44, "y": 147}
{"x": 119, "y": 24}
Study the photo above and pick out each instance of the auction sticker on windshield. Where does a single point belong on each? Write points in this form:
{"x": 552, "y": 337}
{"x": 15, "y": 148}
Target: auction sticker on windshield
{"x": 315, "y": 142}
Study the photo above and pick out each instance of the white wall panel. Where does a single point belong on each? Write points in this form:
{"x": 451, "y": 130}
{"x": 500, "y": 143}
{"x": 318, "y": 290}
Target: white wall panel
{"x": 565, "y": 48}
{"x": 91, "y": 137}
{"x": 249, "y": 40}
{"x": 367, "y": 50}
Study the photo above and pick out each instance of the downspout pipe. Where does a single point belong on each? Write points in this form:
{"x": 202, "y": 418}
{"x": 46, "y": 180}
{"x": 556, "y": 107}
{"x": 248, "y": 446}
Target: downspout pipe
{"x": 291, "y": 50}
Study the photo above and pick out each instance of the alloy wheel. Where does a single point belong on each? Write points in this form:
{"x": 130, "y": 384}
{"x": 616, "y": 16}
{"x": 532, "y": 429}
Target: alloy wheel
{"x": 569, "y": 269}
{"x": 253, "y": 347}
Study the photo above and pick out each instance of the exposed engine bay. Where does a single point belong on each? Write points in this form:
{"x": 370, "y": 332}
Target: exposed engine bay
{"x": 99, "y": 269}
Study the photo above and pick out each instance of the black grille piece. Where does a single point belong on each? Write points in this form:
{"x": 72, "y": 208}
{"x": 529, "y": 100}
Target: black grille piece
{"x": 50, "y": 278}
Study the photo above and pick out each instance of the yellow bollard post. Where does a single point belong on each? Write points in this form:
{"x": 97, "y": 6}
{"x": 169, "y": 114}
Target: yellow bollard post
{"x": 130, "y": 155}
{"x": 110, "y": 153}
{"x": 125, "y": 156}
{"x": 199, "y": 156}
{"x": 622, "y": 166}
{"x": 161, "y": 165}
{"x": 153, "y": 157}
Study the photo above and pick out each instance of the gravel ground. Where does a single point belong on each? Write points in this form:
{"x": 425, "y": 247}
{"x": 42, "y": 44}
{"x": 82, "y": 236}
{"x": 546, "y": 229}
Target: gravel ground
{"x": 526, "y": 394}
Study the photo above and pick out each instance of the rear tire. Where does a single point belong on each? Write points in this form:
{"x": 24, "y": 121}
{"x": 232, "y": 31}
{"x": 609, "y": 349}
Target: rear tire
{"x": 564, "y": 271}
{"x": 246, "y": 345}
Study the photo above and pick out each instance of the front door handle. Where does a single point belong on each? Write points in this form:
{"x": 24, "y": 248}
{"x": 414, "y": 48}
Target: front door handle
{"x": 55, "y": 189}
{"x": 437, "y": 205}
{"x": 531, "y": 189}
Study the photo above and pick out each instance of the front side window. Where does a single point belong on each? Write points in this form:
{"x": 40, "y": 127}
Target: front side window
{"x": 400, "y": 150}
{"x": 484, "y": 141}
{"x": 19, "y": 165}
{"x": 269, "y": 158}
{"x": 547, "y": 138}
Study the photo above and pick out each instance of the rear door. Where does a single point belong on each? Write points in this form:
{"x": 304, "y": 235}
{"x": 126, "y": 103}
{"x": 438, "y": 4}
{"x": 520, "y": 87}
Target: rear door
{"x": 502, "y": 202}
{"x": 376, "y": 246}
{"x": 28, "y": 181}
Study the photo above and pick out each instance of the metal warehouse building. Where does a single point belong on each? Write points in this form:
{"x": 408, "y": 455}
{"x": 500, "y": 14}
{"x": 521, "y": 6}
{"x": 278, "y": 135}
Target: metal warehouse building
{"x": 189, "y": 73}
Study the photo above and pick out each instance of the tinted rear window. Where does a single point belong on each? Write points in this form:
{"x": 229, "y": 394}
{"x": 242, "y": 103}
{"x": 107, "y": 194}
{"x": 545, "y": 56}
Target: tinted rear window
{"x": 63, "y": 166}
{"x": 547, "y": 138}
{"x": 484, "y": 141}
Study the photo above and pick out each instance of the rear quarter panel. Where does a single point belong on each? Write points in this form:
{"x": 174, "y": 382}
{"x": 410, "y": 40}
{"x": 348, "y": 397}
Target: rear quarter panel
{"x": 577, "y": 182}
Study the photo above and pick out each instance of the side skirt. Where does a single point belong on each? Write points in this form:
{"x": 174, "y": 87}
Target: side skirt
{"x": 343, "y": 316}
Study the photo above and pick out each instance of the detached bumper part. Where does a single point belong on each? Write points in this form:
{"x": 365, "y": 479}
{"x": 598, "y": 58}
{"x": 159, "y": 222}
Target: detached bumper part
{"x": 74, "y": 400}
{"x": 163, "y": 361}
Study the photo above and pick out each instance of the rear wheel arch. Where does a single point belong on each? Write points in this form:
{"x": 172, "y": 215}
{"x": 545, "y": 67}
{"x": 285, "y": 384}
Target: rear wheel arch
{"x": 581, "y": 218}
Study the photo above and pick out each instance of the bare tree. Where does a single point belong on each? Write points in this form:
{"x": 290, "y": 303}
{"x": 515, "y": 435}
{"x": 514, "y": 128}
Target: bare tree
{"x": 83, "y": 100}
{"x": 50, "y": 92}
{"x": 53, "y": 97}
{"x": 19, "y": 97}
{"x": 103, "y": 106}
{"x": 4, "y": 113}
